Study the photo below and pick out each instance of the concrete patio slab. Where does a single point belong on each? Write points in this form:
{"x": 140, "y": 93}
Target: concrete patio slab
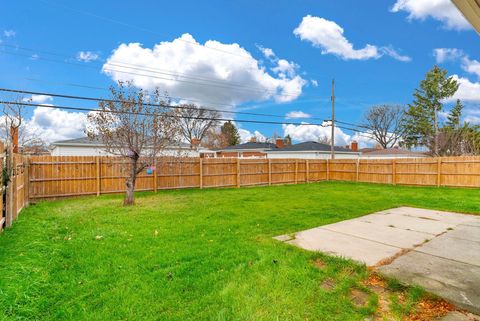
{"x": 457, "y": 282}
{"x": 407, "y": 222}
{"x": 392, "y": 236}
{"x": 452, "y": 248}
{"x": 437, "y": 250}
{"x": 466, "y": 232}
{"x": 366, "y": 251}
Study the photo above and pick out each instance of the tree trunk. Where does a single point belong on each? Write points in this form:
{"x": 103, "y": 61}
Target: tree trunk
{"x": 129, "y": 193}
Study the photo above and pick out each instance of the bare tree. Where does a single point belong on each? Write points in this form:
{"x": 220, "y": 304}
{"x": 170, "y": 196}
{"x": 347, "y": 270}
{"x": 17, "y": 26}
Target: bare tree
{"x": 14, "y": 122}
{"x": 214, "y": 138}
{"x": 384, "y": 124}
{"x": 195, "y": 122}
{"x": 136, "y": 125}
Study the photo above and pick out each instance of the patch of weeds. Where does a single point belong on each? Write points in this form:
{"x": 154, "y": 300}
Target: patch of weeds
{"x": 405, "y": 302}
{"x": 394, "y": 285}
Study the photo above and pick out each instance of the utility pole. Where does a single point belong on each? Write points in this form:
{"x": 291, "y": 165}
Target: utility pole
{"x": 332, "y": 140}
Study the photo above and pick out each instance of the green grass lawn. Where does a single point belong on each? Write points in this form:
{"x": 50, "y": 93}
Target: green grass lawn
{"x": 194, "y": 254}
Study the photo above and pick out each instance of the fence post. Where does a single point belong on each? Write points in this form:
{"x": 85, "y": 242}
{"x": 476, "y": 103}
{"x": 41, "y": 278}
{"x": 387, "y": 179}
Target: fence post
{"x": 97, "y": 161}
{"x": 439, "y": 171}
{"x": 238, "y": 172}
{"x": 394, "y": 171}
{"x": 155, "y": 183}
{"x": 201, "y": 172}
{"x": 307, "y": 171}
{"x": 269, "y": 172}
{"x": 26, "y": 181}
{"x": 328, "y": 170}
{"x": 357, "y": 169}
{"x": 13, "y": 190}
{"x": 296, "y": 171}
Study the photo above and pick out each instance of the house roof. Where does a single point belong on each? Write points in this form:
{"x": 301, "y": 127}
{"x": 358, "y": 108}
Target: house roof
{"x": 87, "y": 141}
{"x": 391, "y": 151}
{"x": 471, "y": 11}
{"x": 311, "y": 146}
{"x": 250, "y": 145}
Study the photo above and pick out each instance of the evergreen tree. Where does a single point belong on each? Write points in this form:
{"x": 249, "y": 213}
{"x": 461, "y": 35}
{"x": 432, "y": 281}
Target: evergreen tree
{"x": 453, "y": 119}
{"x": 230, "y": 132}
{"x": 421, "y": 125}
{"x": 287, "y": 140}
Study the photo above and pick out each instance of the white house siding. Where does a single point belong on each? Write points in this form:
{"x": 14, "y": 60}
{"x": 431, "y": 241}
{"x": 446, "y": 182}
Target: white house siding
{"x": 311, "y": 155}
{"x": 391, "y": 156}
{"x": 60, "y": 150}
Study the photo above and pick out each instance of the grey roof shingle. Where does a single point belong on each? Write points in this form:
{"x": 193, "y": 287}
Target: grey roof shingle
{"x": 312, "y": 146}
{"x": 251, "y": 145}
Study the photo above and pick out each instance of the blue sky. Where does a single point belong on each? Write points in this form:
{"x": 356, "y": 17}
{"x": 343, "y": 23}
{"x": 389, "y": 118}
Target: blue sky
{"x": 377, "y": 51}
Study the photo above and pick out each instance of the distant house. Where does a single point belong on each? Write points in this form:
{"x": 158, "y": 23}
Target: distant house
{"x": 389, "y": 153}
{"x": 313, "y": 150}
{"x": 247, "y": 150}
{"x": 85, "y": 146}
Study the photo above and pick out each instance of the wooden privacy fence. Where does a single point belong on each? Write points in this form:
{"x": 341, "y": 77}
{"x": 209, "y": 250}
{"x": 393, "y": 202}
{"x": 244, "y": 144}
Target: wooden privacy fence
{"x": 63, "y": 176}
{"x": 14, "y": 196}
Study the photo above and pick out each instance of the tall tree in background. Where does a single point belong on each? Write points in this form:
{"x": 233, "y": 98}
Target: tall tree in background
{"x": 421, "y": 124}
{"x": 453, "y": 118}
{"x": 385, "y": 124}
{"x": 230, "y": 133}
{"x": 457, "y": 139}
{"x": 195, "y": 122}
{"x": 135, "y": 125}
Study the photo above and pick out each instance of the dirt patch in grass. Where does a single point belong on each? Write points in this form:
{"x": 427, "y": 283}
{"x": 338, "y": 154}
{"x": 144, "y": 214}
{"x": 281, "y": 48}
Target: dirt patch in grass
{"x": 395, "y": 302}
{"x": 328, "y": 284}
{"x": 359, "y": 297}
{"x": 319, "y": 264}
{"x": 430, "y": 309}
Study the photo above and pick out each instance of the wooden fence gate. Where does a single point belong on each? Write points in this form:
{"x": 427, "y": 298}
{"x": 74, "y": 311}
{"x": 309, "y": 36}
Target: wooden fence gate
{"x": 14, "y": 195}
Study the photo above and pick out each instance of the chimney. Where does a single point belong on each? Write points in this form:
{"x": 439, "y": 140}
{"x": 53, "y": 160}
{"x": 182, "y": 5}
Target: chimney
{"x": 14, "y": 138}
{"x": 195, "y": 143}
{"x": 354, "y": 146}
{"x": 279, "y": 143}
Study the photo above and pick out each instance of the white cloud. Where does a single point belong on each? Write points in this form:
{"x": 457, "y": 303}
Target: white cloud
{"x": 471, "y": 66}
{"x": 9, "y": 33}
{"x": 467, "y": 90}
{"x": 246, "y": 135}
{"x": 185, "y": 68}
{"x": 389, "y": 51}
{"x": 87, "y": 56}
{"x": 447, "y": 54}
{"x": 441, "y": 10}
{"x": 328, "y": 36}
{"x": 297, "y": 114}
{"x": 303, "y": 133}
{"x": 472, "y": 115}
{"x": 55, "y": 124}
{"x": 285, "y": 68}
{"x": 38, "y": 99}
{"x": 267, "y": 52}
{"x": 314, "y": 82}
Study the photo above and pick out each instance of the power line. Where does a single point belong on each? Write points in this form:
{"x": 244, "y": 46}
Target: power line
{"x": 147, "y": 104}
{"x": 59, "y": 83}
{"x": 154, "y": 114}
{"x": 202, "y": 82}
